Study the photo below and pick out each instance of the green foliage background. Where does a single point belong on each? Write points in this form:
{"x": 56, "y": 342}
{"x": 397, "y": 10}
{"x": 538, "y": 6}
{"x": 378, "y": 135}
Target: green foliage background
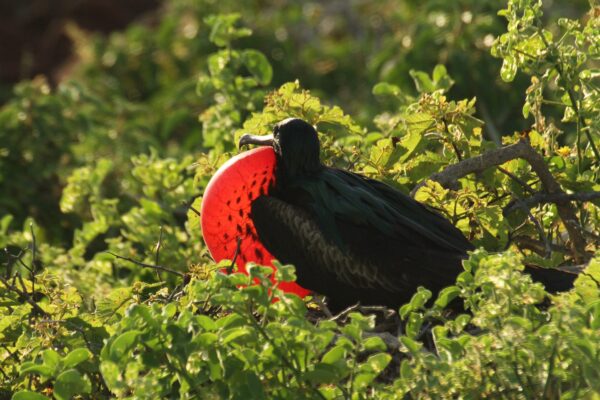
{"x": 110, "y": 161}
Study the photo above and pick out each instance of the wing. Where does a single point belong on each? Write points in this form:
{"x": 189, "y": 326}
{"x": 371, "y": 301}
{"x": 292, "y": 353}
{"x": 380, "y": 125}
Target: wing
{"x": 294, "y": 237}
{"x": 407, "y": 243}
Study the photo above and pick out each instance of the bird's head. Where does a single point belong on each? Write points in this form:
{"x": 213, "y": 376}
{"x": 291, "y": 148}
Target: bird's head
{"x": 296, "y": 145}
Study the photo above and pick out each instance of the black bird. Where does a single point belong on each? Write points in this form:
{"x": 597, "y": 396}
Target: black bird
{"x": 351, "y": 238}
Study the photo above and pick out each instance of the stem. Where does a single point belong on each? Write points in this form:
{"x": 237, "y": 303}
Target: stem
{"x": 574, "y": 101}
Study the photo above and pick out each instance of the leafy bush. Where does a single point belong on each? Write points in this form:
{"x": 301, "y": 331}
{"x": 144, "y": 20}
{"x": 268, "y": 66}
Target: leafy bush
{"x": 108, "y": 289}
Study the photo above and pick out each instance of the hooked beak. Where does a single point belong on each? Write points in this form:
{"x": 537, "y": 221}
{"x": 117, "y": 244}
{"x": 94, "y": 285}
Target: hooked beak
{"x": 266, "y": 140}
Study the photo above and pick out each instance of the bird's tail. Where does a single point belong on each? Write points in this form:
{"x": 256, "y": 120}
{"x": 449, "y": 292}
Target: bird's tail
{"x": 553, "y": 279}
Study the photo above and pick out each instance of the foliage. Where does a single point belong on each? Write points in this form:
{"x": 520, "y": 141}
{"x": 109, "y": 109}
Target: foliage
{"x": 108, "y": 289}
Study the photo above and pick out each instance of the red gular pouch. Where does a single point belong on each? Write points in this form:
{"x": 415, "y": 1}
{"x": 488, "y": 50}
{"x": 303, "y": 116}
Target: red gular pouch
{"x": 226, "y": 211}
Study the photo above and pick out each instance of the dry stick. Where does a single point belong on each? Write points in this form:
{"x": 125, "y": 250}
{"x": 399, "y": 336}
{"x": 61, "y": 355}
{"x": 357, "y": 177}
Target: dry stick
{"x": 195, "y": 211}
{"x": 515, "y": 178}
{"x": 235, "y": 255}
{"x": 449, "y": 176}
{"x": 539, "y": 228}
{"x": 537, "y": 246}
{"x": 18, "y": 259}
{"x": 542, "y": 198}
{"x": 24, "y": 295}
{"x": 362, "y": 309}
{"x": 141, "y": 264}
{"x": 33, "y": 257}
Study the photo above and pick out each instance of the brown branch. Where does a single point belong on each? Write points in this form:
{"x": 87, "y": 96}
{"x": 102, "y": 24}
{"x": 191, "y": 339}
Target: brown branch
{"x": 24, "y": 295}
{"x": 539, "y": 247}
{"x": 522, "y": 149}
{"x": 451, "y": 174}
{"x": 195, "y": 211}
{"x": 543, "y": 198}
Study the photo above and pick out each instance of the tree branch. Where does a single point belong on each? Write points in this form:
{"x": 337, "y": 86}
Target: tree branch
{"x": 24, "y": 295}
{"x": 450, "y": 175}
{"x": 543, "y": 198}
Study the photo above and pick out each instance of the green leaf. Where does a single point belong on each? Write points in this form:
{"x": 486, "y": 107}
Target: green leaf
{"x": 334, "y": 355}
{"x": 412, "y": 345}
{"x": 441, "y": 79}
{"x": 71, "y": 383}
{"x": 206, "y": 339}
{"x": 370, "y": 369}
{"x": 378, "y": 362}
{"x": 323, "y": 373}
{"x": 374, "y": 343}
{"x": 406, "y": 371}
{"x": 422, "y": 81}
{"x": 206, "y": 322}
{"x": 420, "y": 298}
{"x": 111, "y": 374}
{"x": 27, "y": 395}
{"x": 41, "y": 369}
{"x": 446, "y": 295}
{"x": 414, "y": 323}
{"x": 418, "y": 123}
{"x": 509, "y": 68}
{"x": 76, "y": 357}
{"x": 284, "y": 273}
{"x": 258, "y": 65}
{"x": 386, "y": 89}
{"x": 51, "y": 359}
{"x": 122, "y": 344}
{"x": 235, "y": 334}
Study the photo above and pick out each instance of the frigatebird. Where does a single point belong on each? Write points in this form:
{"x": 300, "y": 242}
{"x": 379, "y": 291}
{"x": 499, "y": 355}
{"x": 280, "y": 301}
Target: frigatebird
{"x": 351, "y": 238}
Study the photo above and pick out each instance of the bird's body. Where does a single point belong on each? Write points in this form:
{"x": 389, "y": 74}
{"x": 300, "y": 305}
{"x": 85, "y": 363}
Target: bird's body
{"x": 351, "y": 238}
{"x": 355, "y": 239}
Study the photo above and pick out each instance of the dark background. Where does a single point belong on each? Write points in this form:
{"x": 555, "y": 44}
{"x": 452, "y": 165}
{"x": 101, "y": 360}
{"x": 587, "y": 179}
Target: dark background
{"x": 32, "y": 32}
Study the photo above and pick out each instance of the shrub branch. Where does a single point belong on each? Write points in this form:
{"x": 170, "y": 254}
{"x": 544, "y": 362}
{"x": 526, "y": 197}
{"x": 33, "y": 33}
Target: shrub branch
{"x": 552, "y": 190}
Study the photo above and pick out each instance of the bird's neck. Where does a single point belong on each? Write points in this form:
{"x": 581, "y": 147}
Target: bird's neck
{"x": 290, "y": 174}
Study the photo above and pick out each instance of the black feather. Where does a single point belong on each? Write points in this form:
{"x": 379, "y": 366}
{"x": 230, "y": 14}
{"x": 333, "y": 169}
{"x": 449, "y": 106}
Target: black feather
{"x": 352, "y": 238}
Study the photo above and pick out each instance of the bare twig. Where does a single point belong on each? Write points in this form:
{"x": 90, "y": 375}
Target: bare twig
{"x": 450, "y": 175}
{"x": 194, "y": 210}
{"x": 24, "y": 295}
{"x": 541, "y": 233}
{"x": 515, "y": 178}
{"x": 33, "y": 246}
{"x": 17, "y": 258}
{"x": 362, "y": 309}
{"x": 543, "y": 198}
{"x": 540, "y": 247}
{"x": 319, "y": 300}
{"x": 235, "y": 255}
{"x": 141, "y": 264}
{"x": 33, "y": 257}
{"x": 592, "y": 278}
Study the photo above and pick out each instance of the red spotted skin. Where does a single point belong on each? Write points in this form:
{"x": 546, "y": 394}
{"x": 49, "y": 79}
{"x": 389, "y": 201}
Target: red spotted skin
{"x": 226, "y": 208}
